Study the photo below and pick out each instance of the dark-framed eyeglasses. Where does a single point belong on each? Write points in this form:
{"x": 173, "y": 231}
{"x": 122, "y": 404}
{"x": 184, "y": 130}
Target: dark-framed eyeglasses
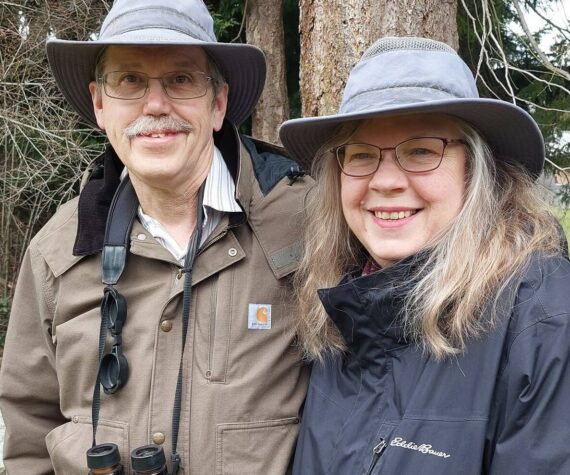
{"x": 415, "y": 155}
{"x": 113, "y": 367}
{"x": 131, "y": 85}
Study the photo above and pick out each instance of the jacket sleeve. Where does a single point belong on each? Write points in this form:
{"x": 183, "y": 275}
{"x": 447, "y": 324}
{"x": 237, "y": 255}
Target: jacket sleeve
{"x": 29, "y": 392}
{"x": 532, "y": 422}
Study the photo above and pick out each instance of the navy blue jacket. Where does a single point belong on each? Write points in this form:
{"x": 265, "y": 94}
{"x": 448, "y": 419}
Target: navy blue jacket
{"x": 502, "y": 407}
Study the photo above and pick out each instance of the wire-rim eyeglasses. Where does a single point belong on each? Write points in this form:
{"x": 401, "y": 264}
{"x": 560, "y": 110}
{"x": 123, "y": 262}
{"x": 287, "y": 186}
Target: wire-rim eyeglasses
{"x": 414, "y": 155}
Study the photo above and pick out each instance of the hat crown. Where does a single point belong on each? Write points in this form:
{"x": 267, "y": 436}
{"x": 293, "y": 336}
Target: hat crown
{"x": 405, "y": 70}
{"x": 189, "y": 17}
{"x": 397, "y": 43}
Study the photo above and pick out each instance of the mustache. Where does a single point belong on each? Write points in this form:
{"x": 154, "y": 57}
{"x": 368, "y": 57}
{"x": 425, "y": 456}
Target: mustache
{"x": 147, "y": 124}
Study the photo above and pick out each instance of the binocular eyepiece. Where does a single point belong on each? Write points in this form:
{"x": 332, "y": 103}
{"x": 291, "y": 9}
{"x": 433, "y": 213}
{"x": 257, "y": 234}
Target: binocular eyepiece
{"x": 105, "y": 459}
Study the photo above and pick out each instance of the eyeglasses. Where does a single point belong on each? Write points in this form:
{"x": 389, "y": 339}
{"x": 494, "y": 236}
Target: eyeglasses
{"x": 114, "y": 368}
{"x": 417, "y": 155}
{"x": 130, "y": 85}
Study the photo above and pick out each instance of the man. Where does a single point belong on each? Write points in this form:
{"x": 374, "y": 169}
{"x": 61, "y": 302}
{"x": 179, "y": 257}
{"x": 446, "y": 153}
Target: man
{"x": 186, "y": 324}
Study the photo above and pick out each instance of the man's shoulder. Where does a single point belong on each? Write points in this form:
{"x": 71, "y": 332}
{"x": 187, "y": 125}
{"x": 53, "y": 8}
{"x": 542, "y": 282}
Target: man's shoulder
{"x": 273, "y": 192}
{"x": 55, "y": 240}
{"x": 271, "y": 165}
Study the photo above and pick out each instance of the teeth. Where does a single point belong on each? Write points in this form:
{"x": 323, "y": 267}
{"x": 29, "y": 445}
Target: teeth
{"x": 393, "y": 214}
{"x": 157, "y": 136}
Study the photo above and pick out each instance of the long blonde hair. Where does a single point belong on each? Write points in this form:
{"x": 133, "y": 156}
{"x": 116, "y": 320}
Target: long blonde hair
{"x": 502, "y": 221}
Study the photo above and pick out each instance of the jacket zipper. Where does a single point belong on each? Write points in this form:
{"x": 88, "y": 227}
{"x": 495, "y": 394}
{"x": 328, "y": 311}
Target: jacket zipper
{"x": 377, "y": 451}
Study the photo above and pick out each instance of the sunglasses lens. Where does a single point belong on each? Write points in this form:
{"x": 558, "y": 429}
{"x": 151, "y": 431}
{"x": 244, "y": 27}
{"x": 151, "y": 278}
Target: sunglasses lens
{"x": 116, "y": 307}
{"x": 114, "y": 371}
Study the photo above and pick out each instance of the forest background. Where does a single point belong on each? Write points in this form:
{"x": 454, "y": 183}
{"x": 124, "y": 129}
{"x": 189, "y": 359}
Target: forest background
{"x": 310, "y": 46}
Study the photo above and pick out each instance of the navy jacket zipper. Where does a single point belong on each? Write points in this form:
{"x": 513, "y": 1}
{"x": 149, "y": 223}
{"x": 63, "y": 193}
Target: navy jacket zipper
{"x": 377, "y": 451}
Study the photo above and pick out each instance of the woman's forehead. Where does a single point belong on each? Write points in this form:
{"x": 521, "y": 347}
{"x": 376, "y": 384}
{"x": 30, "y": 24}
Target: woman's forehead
{"x": 417, "y": 124}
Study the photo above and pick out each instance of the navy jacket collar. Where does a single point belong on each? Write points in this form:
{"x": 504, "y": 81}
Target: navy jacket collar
{"x": 366, "y": 309}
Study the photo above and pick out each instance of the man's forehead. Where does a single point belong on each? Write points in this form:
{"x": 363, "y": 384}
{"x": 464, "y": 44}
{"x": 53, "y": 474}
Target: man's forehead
{"x": 180, "y": 56}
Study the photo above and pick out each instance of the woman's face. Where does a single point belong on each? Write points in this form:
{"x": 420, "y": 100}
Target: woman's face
{"x": 393, "y": 213}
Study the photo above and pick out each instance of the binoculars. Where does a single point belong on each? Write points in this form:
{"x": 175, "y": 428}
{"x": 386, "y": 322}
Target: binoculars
{"x": 105, "y": 459}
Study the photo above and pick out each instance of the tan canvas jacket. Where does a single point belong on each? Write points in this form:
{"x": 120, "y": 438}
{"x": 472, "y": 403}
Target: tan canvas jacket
{"x": 243, "y": 386}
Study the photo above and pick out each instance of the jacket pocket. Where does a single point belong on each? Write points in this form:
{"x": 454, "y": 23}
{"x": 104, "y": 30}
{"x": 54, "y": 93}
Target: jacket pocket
{"x": 67, "y": 444}
{"x": 255, "y": 448}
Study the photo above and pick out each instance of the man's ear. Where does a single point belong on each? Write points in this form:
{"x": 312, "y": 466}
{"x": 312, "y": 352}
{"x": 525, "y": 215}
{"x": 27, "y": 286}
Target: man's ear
{"x": 97, "y": 99}
{"x": 220, "y": 106}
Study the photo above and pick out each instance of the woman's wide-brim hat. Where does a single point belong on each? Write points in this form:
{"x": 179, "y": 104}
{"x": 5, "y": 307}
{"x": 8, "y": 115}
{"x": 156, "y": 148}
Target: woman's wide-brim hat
{"x": 399, "y": 76}
{"x": 158, "y": 23}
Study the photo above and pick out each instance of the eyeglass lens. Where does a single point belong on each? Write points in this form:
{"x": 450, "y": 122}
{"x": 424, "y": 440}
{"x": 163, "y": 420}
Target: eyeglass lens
{"x": 114, "y": 368}
{"x": 414, "y": 155}
{"x": 177, "y": 85}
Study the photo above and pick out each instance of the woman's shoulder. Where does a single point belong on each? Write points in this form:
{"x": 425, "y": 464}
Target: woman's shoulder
{"x": 541, "y": 303}
{"x": 545, "y": 284}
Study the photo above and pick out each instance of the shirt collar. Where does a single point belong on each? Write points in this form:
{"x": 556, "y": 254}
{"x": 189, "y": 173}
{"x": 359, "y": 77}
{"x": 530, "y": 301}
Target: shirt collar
{"x": 219, "y": 198}
{"x": 219, "y": 188}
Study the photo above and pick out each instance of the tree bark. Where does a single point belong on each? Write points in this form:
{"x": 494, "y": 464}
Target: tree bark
{"x": 264, "y": 29}
{"x": 335, "y": 33}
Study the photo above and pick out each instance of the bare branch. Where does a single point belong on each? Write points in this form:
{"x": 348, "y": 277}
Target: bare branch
{"x": 535, "y": 46}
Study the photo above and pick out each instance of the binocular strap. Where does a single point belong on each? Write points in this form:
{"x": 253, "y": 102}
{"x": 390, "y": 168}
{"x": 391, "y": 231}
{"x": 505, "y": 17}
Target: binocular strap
{"x": 119, "y": 224}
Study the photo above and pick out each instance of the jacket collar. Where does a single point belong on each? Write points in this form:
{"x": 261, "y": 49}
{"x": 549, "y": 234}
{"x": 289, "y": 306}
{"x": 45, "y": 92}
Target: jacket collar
{"x": 366, "y": 308}
{"x": 104, "y": 178}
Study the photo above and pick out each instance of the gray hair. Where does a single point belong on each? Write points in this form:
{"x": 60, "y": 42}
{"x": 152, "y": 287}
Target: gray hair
{"x": 502, "y": 222}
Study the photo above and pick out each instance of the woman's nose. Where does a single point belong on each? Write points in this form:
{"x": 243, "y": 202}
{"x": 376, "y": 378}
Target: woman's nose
{"x": 389, "y": 176}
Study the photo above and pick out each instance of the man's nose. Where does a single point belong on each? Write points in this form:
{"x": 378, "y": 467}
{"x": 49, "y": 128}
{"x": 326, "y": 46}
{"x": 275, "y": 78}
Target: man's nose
{"x": 156, "y": 99}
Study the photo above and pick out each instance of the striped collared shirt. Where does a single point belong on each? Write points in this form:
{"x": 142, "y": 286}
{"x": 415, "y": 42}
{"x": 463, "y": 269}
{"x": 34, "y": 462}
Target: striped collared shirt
{"x": 219, "y": 198}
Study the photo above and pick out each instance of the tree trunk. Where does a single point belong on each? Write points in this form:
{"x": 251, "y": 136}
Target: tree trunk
{"x": 264, "y": 29}
{"x": 335, "y": 33}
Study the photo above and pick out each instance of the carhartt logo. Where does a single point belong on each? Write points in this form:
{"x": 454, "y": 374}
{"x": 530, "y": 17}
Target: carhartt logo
{"x": 259, "y": 316}
{"x": 423, "y": 448}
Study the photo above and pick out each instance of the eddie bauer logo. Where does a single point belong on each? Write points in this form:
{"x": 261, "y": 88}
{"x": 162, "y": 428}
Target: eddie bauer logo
{"x": 423, "y": 448}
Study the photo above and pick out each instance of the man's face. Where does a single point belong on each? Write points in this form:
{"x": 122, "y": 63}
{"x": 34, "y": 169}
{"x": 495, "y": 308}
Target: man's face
{"x": 173, "y": 147}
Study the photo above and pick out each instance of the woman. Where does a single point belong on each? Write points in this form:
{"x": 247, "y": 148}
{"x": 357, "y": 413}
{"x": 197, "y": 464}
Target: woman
{"x": 445, "y": 347}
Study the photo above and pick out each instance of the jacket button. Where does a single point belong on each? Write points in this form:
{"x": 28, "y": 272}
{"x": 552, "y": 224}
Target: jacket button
{"x": 141, "y": 237}
{"x": 232, "y": 252}
{"x": 158, "y": 438}
{"x": 166, "y": 325}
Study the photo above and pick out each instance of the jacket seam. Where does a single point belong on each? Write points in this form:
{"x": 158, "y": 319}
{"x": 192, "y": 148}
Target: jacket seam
{"x": 452, "y": 420}
{"x": 47, "y": 296}
{"x": 533, "y": 325}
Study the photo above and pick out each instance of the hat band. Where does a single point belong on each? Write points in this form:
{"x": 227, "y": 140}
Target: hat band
{"x": 154, "y": 18}
{"x": 378, "y": 99}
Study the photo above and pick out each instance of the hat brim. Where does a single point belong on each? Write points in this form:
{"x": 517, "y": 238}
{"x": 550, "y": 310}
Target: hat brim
{"x": 510, "y": 131}
{"x": 243, "y": 66}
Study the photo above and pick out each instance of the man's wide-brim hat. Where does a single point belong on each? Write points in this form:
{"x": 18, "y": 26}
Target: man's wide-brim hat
{"x": 158, "y": 23}
{"x": 407, "y": 75}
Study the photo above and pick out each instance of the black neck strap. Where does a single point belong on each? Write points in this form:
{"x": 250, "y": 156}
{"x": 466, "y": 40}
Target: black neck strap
{"x": 117, "y": 233}
{"x": 114, "y": 256}
{"x": 193, "y": 248}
